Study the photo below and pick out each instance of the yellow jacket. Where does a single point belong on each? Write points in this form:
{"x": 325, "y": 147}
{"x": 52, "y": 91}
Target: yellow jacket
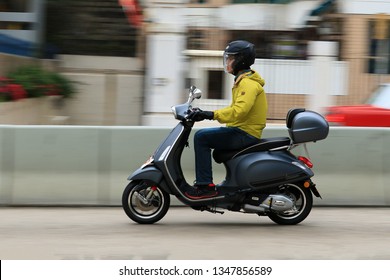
{"x": 248, "y": 110}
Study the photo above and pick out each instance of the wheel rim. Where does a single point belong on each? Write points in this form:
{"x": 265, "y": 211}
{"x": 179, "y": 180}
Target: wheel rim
{"x": 299, "y": 198}
{"x": 145, "y": 209}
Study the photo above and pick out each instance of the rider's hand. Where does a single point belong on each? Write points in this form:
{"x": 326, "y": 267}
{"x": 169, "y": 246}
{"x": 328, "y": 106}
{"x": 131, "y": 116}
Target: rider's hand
{"x": 200, "y": 115}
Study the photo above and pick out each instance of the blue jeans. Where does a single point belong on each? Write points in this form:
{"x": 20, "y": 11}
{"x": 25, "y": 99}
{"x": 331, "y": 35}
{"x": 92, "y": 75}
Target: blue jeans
{"x": 220, "y": 138}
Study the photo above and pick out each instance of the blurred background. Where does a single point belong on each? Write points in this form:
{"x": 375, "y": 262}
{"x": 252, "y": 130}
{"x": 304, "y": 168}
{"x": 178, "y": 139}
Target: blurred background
{"x": 98, "y": 76}
{"x": 126, "y": 62}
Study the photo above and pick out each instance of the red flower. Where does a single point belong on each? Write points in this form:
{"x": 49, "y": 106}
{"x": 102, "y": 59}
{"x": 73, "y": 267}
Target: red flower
{"x": 4, "y": 93}
{"x": 4, "y": 89}
{"x": 17, "y": 91}
{"x": 4, "y": 80}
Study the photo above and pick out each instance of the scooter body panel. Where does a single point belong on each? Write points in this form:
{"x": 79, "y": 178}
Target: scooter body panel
{"x": 167, "y": 157}
{"x": 264, "y": 169}
{"x": 165, "y": 169}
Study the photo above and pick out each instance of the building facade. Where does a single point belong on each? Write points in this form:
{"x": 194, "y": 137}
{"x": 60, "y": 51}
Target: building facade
{"x": 180, "y": 43}
{"x": 283, "y": 32}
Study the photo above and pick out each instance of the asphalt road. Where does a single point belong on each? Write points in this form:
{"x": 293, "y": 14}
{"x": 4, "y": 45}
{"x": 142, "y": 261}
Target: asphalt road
{"x": 183, "y": 234}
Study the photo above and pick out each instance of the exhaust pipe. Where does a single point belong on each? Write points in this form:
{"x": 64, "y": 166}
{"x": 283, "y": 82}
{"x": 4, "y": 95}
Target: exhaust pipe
{"x": 273, "y": 202}
{"x": 253, "y": 209}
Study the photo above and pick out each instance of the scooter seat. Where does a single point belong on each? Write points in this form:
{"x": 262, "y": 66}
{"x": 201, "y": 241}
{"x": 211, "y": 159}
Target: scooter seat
{"x": 264, "y": 144}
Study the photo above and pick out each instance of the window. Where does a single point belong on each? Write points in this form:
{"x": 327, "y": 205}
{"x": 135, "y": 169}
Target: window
{"x": 90, "y": 28}
{"x": 379, "y": 46}
{"x": 275, "y": 44}
{"x": 196, "y": 40}
{"x": 214, "y": 87}
{"x": 22, "y": 23}
{"x": 198, "y": 1}
{"x": 20, "y": 6}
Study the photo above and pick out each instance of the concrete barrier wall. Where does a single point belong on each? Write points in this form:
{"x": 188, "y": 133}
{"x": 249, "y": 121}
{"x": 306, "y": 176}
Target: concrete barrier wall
{"x": 89, "y": 165}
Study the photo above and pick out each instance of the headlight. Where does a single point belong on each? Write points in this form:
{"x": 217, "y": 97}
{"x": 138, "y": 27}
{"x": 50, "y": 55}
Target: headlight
{"x": 173, "y": 108}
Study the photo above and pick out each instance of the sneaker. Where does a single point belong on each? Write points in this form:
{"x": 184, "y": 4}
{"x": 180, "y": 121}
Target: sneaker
{"x": 185, "y": 187}
{"x": 201, "y": 191}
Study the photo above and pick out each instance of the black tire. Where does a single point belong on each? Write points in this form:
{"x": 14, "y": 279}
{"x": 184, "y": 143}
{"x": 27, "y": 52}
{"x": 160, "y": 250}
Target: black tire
{"x": 303, "y": 202}
{"x": 148, "y": 211}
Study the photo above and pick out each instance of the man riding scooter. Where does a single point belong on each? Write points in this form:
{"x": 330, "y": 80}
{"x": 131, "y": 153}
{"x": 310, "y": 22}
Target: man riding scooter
{"x": 245, "y": 118}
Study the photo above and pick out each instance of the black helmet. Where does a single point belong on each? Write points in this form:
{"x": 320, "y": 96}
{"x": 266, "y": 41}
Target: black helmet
{"x": 243, "y": 53}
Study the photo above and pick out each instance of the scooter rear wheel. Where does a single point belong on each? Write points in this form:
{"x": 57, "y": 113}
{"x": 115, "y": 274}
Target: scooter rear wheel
{"x": 145, "y": 203}
{"x": 303, "y": 202}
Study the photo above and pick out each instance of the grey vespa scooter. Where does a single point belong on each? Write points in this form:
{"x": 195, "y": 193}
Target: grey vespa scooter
{"x": 264, "y": 179}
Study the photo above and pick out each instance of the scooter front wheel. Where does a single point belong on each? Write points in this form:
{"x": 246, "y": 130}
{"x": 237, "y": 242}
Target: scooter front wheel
{"x": 303, "y": 202}
{"x": 145, "y": 203}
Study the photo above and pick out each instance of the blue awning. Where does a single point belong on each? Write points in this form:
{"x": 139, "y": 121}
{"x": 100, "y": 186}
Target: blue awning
{"x": 16, "y": 46}
{"x": 322, "y": 8}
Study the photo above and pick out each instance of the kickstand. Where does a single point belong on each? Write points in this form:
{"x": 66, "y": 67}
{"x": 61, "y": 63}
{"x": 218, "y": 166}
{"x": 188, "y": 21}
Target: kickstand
{"x": 214, "y": 211}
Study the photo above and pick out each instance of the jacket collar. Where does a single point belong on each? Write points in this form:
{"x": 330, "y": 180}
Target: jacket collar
{"x": 241, "y": 75}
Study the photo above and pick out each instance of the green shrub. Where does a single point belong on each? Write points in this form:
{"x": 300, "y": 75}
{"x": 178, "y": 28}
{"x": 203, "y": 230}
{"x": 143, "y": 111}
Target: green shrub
{"x": 38, "y": 82}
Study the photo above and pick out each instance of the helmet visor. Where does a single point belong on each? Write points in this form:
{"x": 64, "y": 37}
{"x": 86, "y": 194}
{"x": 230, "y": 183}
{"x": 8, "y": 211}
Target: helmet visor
{"x": 228, "y": 62}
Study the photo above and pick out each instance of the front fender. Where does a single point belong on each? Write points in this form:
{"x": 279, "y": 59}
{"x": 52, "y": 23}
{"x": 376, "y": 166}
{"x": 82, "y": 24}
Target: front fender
{"x": 152, "y": 174}
{"x": 149, "y": 173}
